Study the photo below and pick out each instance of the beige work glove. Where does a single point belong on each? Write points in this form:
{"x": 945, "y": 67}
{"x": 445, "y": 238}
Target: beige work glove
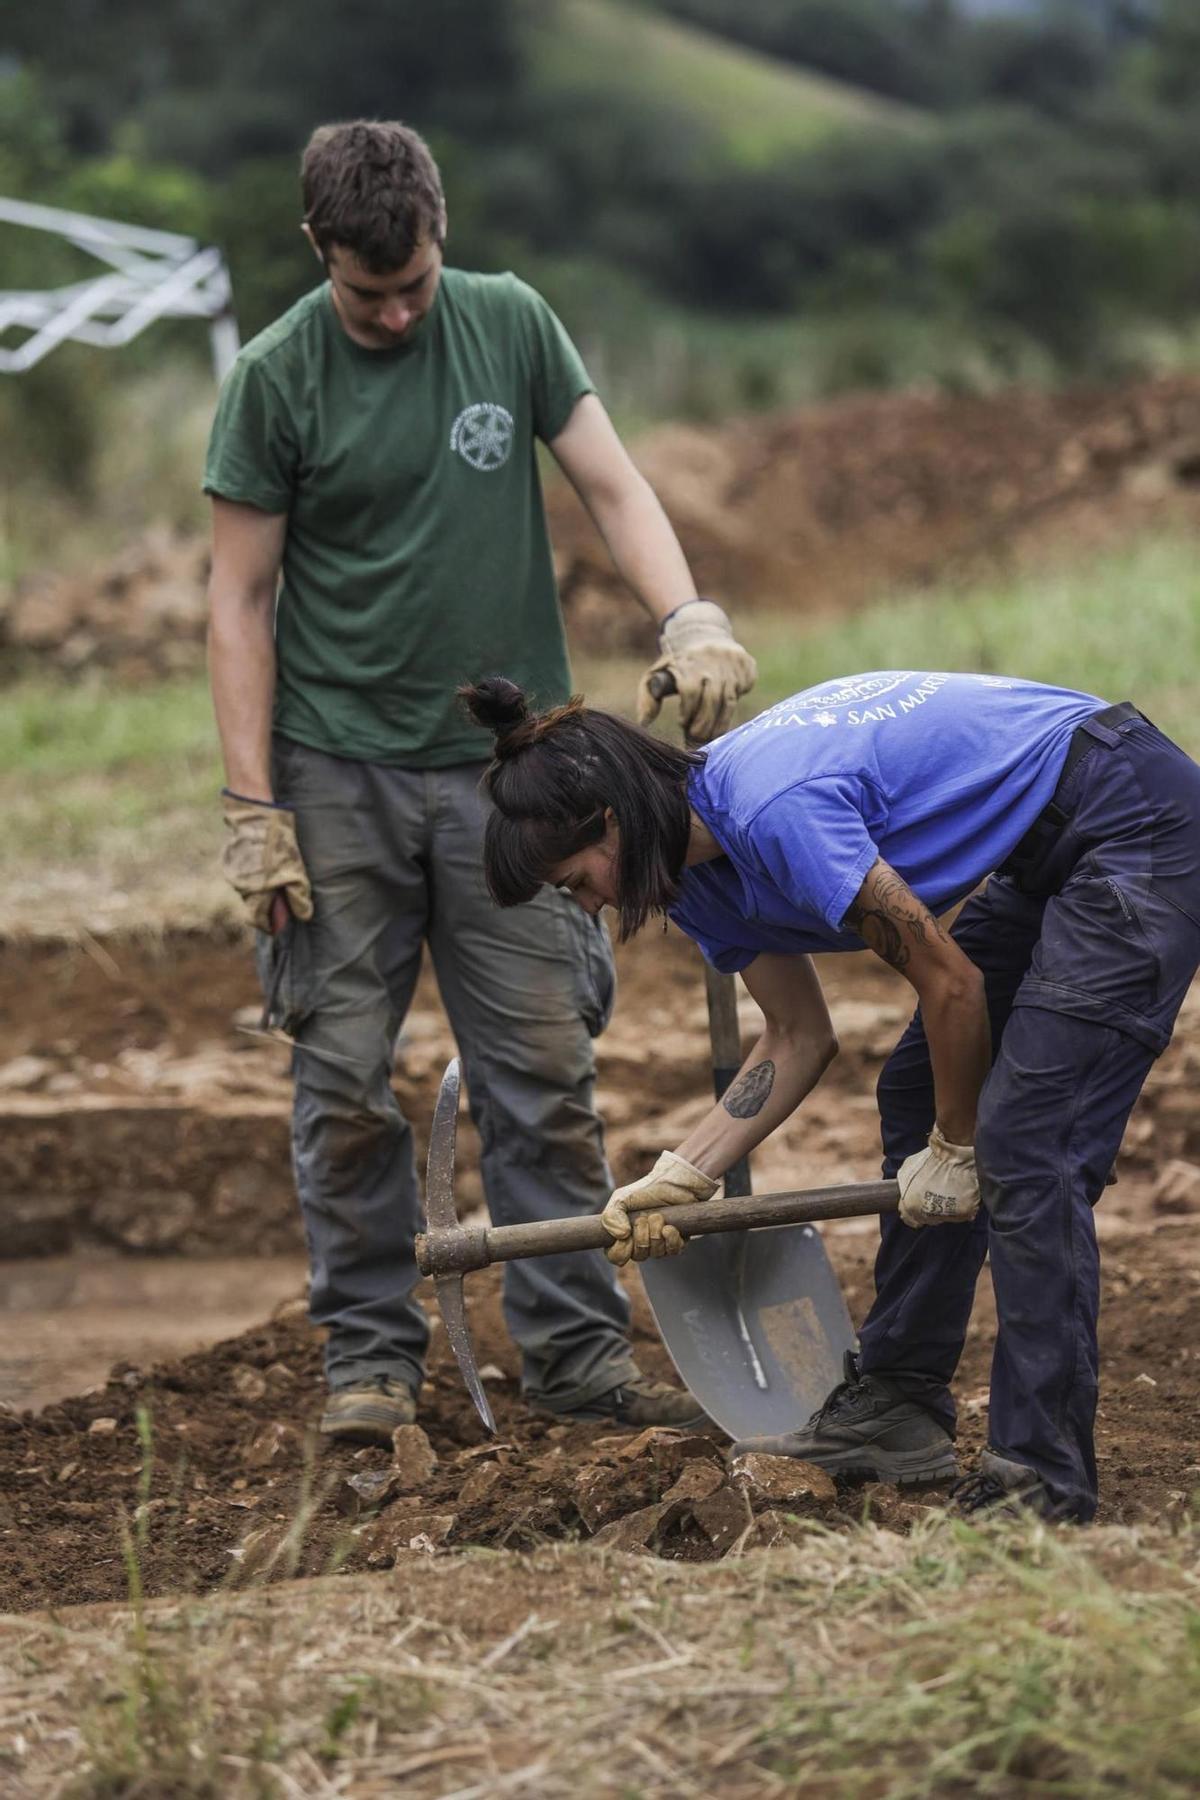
{"x": 671, "y": 1182}
{"x": 708, "y": 666}
{"x": 262, "y": 858}
{"x": 939, "y": 1185}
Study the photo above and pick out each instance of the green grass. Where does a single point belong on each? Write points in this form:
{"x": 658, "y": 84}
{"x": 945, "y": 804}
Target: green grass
{"x": 109, "y": 794}
{"x": 1125, "y": 626}
{"x": 757, "y": 107}
{"x": 109, "y": 799}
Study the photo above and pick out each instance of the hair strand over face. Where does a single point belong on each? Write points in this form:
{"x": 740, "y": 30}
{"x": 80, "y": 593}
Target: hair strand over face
{"x": 553, "y": 779}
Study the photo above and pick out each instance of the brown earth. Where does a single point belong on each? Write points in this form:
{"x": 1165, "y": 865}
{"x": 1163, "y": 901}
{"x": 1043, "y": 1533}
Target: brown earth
{"x": 140, "y": 1116}
{"x": 811, "y": 509}
{"x": 139, "y": 1113}
{"x": 233, "y": 1463}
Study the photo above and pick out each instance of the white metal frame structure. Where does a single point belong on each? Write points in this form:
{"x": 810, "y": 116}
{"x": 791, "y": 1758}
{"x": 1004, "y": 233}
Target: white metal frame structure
{"x": 152, "y": 275}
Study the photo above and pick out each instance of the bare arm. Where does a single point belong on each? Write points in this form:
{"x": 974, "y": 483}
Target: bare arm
{"x": 891, "y": 921}
{"x": 796, "y": 1046}
{"x": 625, "y": 509}
{"x": 247, "y": 552}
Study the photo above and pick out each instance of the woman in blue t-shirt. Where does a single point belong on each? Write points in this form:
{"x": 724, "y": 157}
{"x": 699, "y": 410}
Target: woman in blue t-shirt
{"x": 856, "y": 813}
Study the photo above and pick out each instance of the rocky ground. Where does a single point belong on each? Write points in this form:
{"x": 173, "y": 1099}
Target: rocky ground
{"x": 138, "y": 1116}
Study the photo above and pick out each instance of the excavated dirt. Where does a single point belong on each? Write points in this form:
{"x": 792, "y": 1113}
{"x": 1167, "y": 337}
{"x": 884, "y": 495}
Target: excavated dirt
{"x": 811, "y": 509}
{"x": 99, "y": 1044}
{"x": 138, "y": 1114}
{"x": 233, "y": 1463}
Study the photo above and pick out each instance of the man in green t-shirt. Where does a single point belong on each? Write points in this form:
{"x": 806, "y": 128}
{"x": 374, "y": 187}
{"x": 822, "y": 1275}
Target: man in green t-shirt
{"x": 378, "y": 539}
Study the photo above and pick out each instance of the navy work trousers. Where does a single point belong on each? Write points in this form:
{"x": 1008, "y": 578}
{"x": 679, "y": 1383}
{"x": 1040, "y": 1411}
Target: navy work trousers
{"x": 1086, "y": 958}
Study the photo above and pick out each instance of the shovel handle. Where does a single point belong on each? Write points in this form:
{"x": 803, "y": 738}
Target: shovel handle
{"x": 457, "y": 1252}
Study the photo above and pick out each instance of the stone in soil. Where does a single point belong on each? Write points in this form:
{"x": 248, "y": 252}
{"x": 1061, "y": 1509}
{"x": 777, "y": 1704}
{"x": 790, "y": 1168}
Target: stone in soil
{"x": 723, "y": 1517}
{"x": 206, "y": 1439}
{"x": 401, "y": 1529}
{"x": 1177, "y": 1190}
{"x": 698, "y": 1481}
{"x": 781, "y": 1480}
{"x": 275, "y": 1443}
{"x": 364, "y": 1493}
{"x": 640, "y": 1530}
{"x": 413, "y": 1457}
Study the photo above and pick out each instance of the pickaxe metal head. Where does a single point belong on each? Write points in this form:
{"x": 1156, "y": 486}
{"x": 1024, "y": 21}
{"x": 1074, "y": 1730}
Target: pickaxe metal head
{"x": 442, "y": 1217}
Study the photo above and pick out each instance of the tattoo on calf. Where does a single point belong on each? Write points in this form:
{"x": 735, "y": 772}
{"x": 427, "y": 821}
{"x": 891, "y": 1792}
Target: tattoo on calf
{"x": 748, "y": 1095}
{"x": 880, "y": 926}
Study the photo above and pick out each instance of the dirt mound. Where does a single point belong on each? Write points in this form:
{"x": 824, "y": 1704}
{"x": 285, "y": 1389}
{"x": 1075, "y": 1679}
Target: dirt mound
{"x": 137, "y": 1113}
{"x": 817, "y": 508}
{"x": 230, "y": 1483}
{"x": 232, "y": 1463}
{"x": 826, "y": 507}
{"x": 144, "y": 613}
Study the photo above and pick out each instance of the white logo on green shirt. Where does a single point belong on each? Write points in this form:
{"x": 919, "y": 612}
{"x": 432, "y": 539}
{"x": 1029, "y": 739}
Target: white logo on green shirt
{"x": 483, "y": 435}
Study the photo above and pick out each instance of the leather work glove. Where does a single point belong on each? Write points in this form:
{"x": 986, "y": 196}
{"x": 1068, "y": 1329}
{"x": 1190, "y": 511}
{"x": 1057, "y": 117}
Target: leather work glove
{"x": 671, "y": 1182}
{"x": 708, "y": 666}
{"x": 262, "y": 858}
{"x": 939, "y": 1185}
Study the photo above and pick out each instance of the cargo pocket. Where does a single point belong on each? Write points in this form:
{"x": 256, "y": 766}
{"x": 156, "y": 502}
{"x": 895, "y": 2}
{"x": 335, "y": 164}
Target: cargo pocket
{"x": 595, "y": 971}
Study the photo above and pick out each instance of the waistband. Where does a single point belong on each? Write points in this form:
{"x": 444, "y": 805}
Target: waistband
{"x": 1098, "y": 728}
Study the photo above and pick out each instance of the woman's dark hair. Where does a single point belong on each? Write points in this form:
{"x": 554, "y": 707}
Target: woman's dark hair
{"x": 552, "y": 777}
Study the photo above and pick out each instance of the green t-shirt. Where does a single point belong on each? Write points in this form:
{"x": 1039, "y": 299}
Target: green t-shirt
{"x": 416, "y": 554}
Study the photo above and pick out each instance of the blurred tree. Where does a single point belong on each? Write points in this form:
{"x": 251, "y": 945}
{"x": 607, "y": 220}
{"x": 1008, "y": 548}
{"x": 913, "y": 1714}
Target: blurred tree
{"x": 1050, "y": 65}
{"x": 898, "y": 49}
{"x": 264, "y": 71}
{"x": 1176, "y": 59}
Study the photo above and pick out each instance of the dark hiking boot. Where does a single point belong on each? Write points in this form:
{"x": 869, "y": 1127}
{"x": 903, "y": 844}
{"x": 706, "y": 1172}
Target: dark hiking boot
{"x": 640, "y": 1402}
{"x": 867, "y": 1431}
{"x": 1002, "y": 1488}
{"x": 370, "y": 1411}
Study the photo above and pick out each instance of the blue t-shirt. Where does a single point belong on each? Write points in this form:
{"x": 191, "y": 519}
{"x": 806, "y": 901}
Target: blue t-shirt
{"x": 940, "y": 775}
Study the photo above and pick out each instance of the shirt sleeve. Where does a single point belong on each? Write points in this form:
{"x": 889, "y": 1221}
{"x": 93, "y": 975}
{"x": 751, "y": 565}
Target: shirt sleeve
{"x": 252, "y": 455}
{"x": 729, "y": 958}
{"x": 556, "y": 369}
{"x": 814, "y": 844}
{"x": 701, "y": 911}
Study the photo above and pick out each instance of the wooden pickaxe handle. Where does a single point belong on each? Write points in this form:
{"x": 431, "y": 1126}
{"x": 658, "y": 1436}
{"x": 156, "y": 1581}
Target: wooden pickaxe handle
{"x": 474, "y": 1247}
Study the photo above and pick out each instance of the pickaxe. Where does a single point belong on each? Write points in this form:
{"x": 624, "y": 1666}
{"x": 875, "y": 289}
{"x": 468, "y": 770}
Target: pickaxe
{"x": 447, "y": 1250}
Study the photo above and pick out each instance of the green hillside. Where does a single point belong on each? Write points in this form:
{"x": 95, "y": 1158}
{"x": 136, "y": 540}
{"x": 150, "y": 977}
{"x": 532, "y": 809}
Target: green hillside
{"x": 757, "y": 107}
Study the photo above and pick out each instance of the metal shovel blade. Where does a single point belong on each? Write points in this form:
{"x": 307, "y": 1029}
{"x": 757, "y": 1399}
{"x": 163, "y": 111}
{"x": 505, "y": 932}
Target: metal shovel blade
{"x": 791, "y": 1308}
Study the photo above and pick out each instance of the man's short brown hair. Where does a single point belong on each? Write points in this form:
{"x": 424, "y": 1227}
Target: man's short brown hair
{"x": 373, "y": 187}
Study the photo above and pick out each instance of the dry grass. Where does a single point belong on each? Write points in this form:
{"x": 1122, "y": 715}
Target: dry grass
{"x": 1004, "y": 1660}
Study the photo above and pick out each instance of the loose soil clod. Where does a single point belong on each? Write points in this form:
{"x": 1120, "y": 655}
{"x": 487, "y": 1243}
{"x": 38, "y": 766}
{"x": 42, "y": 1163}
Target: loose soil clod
{"x": 239, "y": 1487}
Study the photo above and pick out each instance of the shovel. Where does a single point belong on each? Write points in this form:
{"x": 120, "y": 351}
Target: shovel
{"x": 791, "y": 1331}
{"x": 763, "y": 1379}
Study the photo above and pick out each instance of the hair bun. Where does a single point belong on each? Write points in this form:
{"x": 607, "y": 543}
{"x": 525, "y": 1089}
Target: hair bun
{"x": 498, "y": 705}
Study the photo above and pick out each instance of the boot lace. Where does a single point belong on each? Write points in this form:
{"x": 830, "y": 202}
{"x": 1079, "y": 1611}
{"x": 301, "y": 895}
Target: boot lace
{"x": 844, "y": 1395}
{"x": 976, "y": 1493}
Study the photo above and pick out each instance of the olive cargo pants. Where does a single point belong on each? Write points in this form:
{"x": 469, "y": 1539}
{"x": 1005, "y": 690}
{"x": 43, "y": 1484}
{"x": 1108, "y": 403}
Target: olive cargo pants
{"x": 394, "y": 856}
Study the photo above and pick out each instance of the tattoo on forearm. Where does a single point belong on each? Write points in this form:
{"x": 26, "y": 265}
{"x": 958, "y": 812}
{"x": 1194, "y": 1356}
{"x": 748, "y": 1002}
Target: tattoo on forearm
{"x": 896, "y": 913}
{"x": 748, "y": 1095}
